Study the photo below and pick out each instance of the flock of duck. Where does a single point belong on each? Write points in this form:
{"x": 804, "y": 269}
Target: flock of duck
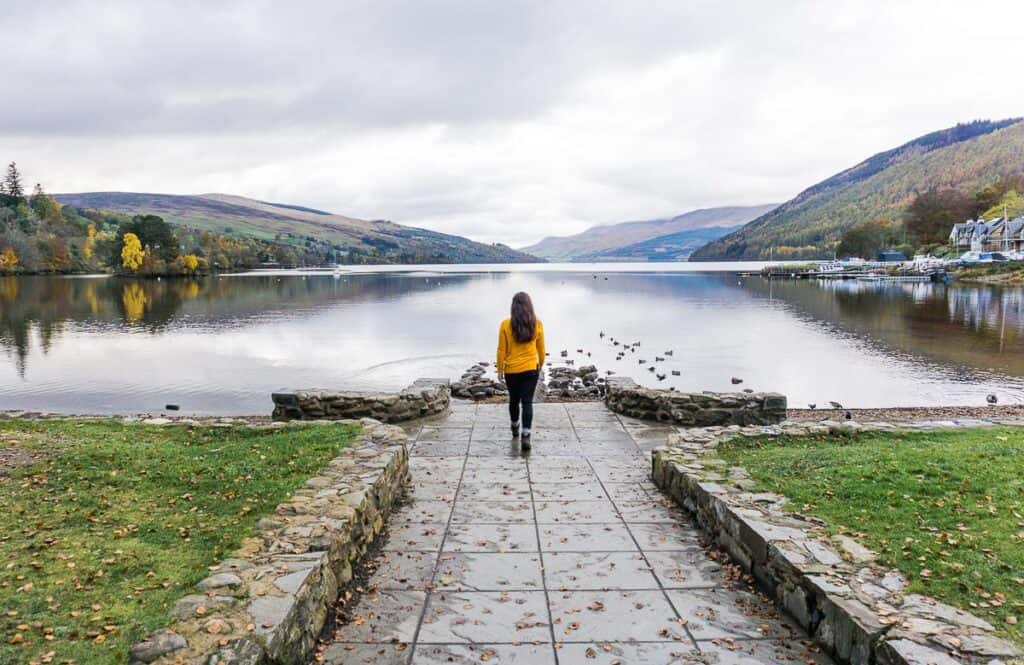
{"x": 626, "y": 348}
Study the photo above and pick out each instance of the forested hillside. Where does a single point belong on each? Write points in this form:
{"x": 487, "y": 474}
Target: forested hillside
{"x": 339, "y": 238}
{"x": 967, "y": 157}
{"x": 158, "y": 234}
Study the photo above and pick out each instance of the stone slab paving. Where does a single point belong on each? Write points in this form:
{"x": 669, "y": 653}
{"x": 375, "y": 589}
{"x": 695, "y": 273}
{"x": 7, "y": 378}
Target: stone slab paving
{"x": 567, "y": 555}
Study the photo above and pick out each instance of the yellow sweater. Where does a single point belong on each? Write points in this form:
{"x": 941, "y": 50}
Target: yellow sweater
{"x": 515, "y": 357}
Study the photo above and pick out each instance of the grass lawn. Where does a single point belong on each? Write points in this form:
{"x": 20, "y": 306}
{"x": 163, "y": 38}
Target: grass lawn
{"x": 104, "y": 525}
{"x": 946, "y": 508}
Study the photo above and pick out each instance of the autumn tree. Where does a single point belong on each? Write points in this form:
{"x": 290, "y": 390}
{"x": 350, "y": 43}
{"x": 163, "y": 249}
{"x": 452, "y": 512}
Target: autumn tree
{"x": 132, "y": 254}
{"x": 866, "y": 239}
{"x": 932, "y": 214}
{"x": 89, "y": 247}
{"x": 57, "y": 256}
{"x": 8, "y": 260}
{"x": 992, "y": 196}
{"x": 1011, "y": 205}
{"x": 187, "y": 263}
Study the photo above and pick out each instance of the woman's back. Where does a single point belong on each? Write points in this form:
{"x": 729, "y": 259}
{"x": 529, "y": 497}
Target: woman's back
{"x": 515, "y": 356}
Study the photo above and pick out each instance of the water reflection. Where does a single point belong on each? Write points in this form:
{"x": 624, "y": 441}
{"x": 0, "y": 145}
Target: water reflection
{"x": 967, "y": 327}
{"x": 220, "y": 345}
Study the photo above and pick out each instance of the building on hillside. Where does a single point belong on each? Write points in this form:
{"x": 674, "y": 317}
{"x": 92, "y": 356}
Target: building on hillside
{"x": 994, "y": 235}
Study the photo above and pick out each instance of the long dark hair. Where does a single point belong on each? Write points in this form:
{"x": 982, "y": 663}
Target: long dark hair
{"x": 524, "y": 321}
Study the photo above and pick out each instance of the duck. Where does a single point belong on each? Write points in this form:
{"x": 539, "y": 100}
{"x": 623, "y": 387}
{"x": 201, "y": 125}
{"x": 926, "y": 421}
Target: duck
{"x": 736, "y": 380}
{"x": 676, "y": 372}
{"x": 992, "y": 399}
{"x": 836, "y": 405}
{"x": 661, "y": 377}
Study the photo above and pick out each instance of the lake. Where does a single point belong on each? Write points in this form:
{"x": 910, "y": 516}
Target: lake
{"x": 221, "y": 345}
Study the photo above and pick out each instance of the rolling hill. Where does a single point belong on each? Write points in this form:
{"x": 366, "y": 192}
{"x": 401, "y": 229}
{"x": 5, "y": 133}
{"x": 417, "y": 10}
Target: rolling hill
{"x": 371, "y": 241}
{"x": 605, "y": 240}
{"x": 967, "y": 156}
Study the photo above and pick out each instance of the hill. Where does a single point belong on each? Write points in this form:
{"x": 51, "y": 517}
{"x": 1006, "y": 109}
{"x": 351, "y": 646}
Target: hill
{"x": 353, "y": 240}
{"x": 600, "y": 240}
{"x": 967, "y": 156}
{"x": 671, "y": 247}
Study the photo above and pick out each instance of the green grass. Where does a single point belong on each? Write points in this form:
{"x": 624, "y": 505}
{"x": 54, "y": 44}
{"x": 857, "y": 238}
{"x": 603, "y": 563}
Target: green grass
{"x": 946, "y": 508}
{"x": 113, "y": 522}
{"x": 1009, "y": 273}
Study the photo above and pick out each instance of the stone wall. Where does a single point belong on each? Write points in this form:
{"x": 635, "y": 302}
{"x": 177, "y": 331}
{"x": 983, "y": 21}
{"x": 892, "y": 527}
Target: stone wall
{"x": 425, "y": 397}
{"x": 268, "y": 605}
{"x": 705, "y": 409}
{"x": 858, "y": 611}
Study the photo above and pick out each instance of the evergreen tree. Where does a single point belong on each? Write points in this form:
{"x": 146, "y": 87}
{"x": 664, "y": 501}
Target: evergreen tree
{"x": 12, "y": 182}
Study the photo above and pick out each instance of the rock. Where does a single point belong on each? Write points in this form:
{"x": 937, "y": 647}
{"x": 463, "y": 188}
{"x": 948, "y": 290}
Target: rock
{"x": 198, "y": 605}
{"x": 425, "y": 397}
{"x": 160, "y": 643}
{"x": 475, "y": 384}
{"x": 219, "y": 581}
{"x": 853, "y": 550}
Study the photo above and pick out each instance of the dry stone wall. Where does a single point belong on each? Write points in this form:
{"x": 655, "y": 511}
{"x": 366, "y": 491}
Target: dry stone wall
{"x": 425, "y": 397}
{"x": 268, "y": 605}
{"x": 705, "y": 409}
{"x": 857, "y": 611}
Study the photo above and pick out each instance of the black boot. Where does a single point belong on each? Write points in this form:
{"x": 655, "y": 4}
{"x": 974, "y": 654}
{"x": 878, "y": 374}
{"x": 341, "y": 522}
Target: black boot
{"x": 524, "y": 441}
{"x": 515, "y": 430}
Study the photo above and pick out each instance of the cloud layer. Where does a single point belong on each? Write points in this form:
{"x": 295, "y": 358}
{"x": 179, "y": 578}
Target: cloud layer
{"x": 500, "y": 121}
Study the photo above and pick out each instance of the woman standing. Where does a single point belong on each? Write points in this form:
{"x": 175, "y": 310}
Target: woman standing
{"x": 520, "y": 359}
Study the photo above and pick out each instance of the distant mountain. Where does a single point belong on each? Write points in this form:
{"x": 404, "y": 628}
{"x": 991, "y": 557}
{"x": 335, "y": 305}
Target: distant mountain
{"x": 967, "y": 156}
{"x": 604, "y": 240}
{"x": 374, "y": 241}
{"x": 670, "y": 247}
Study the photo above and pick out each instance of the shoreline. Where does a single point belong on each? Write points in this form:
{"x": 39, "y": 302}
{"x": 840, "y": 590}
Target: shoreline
{"x": 888, "y": 414}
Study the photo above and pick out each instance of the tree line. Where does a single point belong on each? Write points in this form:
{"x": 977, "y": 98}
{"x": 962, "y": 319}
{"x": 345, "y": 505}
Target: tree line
{"x": 39, "y": 235}
{"x": 927, "y": 220}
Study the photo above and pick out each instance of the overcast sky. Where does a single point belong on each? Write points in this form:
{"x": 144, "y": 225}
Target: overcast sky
{"x": 502, "y": 121}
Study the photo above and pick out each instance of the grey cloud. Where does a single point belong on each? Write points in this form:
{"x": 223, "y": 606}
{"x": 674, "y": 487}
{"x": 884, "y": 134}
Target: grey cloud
{"x": 503, "y": 121}
{"x": 209, "y": 67}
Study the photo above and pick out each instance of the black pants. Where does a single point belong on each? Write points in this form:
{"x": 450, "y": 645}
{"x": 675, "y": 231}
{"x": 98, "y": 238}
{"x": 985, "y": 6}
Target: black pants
{"x": 521, "y": 387}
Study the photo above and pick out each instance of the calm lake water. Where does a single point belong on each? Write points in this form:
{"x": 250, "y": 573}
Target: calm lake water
{"x": 222, "y": 345}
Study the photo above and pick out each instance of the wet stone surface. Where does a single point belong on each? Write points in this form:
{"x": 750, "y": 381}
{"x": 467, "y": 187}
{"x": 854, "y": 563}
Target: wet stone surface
{"x": 566, "y": 555}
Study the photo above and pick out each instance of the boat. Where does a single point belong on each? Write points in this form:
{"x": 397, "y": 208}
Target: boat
{"x": 975, "y": 258}
{"x": 841, "y": 266}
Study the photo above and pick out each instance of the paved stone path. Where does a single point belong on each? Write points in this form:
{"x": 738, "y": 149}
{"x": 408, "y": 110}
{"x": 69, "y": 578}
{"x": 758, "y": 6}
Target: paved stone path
{"x": 566, "y": 555}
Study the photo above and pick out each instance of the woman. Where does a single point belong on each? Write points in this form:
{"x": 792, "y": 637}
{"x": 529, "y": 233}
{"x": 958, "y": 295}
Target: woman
{"x": 520, "y": 359}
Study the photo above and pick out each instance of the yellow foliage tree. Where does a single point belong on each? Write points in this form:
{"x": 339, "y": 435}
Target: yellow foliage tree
{"x": 8, "y": 259}
{"x": 90, "y": 242}
{"x": 189, "y": 262}
{"x": 1012, "y": 204}
{"x": 132, "y": 254}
